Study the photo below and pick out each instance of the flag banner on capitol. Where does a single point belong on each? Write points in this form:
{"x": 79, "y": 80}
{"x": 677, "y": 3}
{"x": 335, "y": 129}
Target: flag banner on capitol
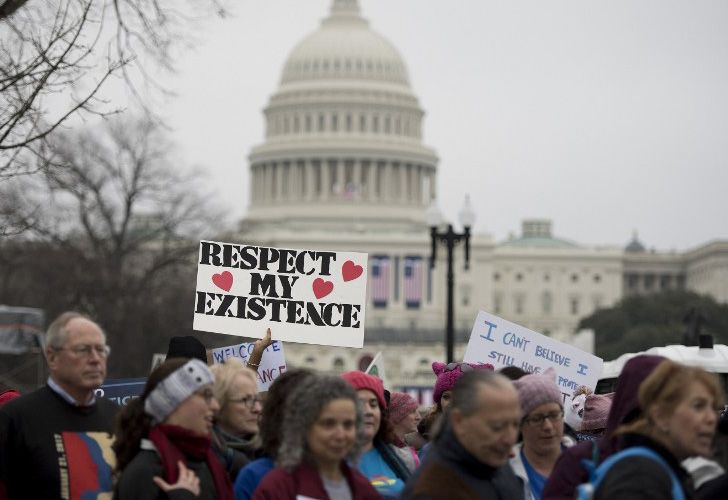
{"x": 502, "y": 343}
{"x": 272, "y": 364}
{"x": 306, "y": 296}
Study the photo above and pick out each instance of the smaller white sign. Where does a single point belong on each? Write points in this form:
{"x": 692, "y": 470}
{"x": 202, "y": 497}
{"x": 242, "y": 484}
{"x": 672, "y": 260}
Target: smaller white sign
{"x": 502, "y": 343}
{"x": 272, "y": 364}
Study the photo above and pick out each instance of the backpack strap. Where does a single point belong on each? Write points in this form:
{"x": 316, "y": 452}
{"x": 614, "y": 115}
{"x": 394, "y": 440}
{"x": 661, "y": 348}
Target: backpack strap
{"x": 599, "y": 473}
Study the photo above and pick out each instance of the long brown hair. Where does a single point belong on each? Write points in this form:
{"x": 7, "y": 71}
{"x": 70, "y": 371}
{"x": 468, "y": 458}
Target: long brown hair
{"x": 132, "y": 424}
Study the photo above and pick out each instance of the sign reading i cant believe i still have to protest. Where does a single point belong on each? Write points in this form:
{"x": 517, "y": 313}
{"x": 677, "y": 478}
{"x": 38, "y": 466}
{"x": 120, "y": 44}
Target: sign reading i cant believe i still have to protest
{"x": 307, "y": 296}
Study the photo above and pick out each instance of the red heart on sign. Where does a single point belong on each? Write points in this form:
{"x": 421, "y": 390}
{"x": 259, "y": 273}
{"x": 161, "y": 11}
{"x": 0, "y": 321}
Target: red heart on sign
{"x": 351, "y": 271}
{"x": 321, "y": 287}
{"x": 223, "y": 280}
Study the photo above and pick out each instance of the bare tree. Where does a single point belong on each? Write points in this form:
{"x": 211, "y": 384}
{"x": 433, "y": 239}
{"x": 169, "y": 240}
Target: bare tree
{"x": 56, "y": 56}
{"x": 115, "y": 223}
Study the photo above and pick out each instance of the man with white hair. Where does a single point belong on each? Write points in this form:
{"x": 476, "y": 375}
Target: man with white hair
{"x": 469, "y": 457}
{"x": 55, "y": 442}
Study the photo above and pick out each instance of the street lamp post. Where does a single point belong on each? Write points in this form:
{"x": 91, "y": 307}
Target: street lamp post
{"x": 450, "y": 238}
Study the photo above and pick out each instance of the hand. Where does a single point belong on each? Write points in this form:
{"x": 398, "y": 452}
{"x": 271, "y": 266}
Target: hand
{"x": 188, "y": 480}
{"x": 259, "y": 346}
{"x": 262, "y": 344}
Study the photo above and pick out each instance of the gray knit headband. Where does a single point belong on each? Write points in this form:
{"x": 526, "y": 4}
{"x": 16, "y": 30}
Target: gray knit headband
{"x": 177, "y": 387}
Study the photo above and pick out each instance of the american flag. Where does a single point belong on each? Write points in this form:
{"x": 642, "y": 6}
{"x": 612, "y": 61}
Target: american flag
{"x": 379, "y": 280}
{"x": 413, "y": 282}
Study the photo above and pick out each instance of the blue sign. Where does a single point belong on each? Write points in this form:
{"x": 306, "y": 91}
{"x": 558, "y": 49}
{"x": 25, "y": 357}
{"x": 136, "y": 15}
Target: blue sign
{"x": 122, "y": 390}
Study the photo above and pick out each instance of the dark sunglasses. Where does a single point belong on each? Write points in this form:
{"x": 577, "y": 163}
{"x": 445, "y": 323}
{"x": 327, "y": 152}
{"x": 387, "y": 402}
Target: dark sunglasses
{"x": 464, "y": 367}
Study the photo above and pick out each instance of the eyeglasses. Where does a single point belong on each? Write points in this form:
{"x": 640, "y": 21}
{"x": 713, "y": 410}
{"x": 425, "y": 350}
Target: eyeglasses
{"x": 464, "y": 367}
{"x": 552, "y": 417}
{"x": 248, "y": 401}
{"x": 85, "y": 350}
{"x": 206, "y": 394}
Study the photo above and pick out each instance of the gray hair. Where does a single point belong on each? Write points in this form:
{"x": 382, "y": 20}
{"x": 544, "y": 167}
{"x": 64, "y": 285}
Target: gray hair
{"x": 303, "y": 408}
{"x": 465, "y": 393}
{"x": 57, "y": 333}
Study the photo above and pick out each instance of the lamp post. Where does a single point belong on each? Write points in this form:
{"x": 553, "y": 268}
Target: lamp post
{"x": 450, "y": 238}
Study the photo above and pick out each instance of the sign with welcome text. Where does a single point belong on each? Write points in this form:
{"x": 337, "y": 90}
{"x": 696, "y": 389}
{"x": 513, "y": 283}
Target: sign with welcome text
{"x": 502, "y": 343}
{"x": 272, "y": 364}
{"x": 306, "y": 296}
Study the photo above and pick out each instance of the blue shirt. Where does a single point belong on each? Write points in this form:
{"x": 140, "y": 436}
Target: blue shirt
{"x": 380, "y": 475}
{"x": 535, "y": 480}
{"x": 250, "y": 477}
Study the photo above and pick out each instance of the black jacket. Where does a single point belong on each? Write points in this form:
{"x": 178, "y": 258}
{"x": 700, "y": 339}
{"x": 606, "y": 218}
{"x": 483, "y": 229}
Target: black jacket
{"x": 635, "y": 478}
{"x": 450, "y": 471}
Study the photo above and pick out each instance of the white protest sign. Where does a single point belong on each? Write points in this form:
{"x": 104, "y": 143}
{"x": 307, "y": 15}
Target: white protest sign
{"x": 307, "y": 296}
{"x": 272, "y": 364}
{"x": 502, "y": 343}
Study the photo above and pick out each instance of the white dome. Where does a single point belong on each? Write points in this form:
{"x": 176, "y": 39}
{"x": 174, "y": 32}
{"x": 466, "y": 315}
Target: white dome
{"x": 345, "y": 47}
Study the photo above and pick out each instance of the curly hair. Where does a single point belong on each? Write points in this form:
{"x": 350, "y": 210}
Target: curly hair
{"x": 132, "y": 424}
{"x": 303, "y": 408}
{"x": 271, "y": 418}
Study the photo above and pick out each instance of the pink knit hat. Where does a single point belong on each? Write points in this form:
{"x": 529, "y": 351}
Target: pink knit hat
{"x": 448, "y": 374}
{"x": 596, "y": 411}
{"x": 537, "y": 389}
{"x": 361, "y": 380}
{"x": 401, "y": 405}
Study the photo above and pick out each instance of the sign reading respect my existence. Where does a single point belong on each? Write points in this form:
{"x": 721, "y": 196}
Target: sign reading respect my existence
{"x": 272, "y": 364}
{"x": 502, "y": 343}
{"x": 307, "y": 296}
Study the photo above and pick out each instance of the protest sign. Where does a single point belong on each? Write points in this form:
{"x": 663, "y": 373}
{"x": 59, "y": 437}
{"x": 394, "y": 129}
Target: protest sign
{"x": 502, "y": 343}
{"x": 272, "y": 364}
{"x": 307, "y": 296}
{"x": 121, "y": 391}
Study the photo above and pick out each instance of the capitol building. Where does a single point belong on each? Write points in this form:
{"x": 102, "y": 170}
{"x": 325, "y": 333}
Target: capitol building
{"x": 343, "y": 167}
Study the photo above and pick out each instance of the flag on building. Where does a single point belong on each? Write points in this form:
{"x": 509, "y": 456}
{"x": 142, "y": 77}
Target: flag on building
{"x": 379, "y": 280}
{"x": 21, "y": 329}
{"x": 413, "y": 281}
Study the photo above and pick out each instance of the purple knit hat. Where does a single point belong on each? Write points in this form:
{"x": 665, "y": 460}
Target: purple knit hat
{"x": 401, "y": 405}
{"x": 536, "y": 389}
{"x": 448, "y": 374}
{"x": 596, "y": 411}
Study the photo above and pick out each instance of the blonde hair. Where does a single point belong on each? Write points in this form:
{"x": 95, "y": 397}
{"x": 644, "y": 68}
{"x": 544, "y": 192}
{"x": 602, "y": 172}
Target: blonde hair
{"x": 666, "y": 387}
{"x": 225, "y": 373}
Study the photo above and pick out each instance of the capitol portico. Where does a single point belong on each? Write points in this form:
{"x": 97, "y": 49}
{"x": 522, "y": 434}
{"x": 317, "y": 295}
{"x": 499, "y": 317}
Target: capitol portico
{"x": 343, "y": 167}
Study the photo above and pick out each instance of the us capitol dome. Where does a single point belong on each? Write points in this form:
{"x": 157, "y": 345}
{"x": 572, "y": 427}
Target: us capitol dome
{"x": 343, "y": 145}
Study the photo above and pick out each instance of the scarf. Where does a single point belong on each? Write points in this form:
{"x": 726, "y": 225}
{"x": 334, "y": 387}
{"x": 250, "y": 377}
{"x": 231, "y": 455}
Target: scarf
{"x": 176, "y": 443}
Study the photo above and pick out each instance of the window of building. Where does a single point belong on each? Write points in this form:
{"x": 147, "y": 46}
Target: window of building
{"x": 348, "y": 123}
{"x": 375, "y": 124}
{"x": 546, "y": 277}
{"x": 519, "y": 303}
{"x": 649, "y": 281}
{"x": 338, "y": 364}
{"x": 546, "y": 302}
{"x": 308, "y": 123}
{"x": 574, "y": 278}
{"x": 334, "y": 122}
{"x": 597, "y": 278}
{"x": 665, "y": 281}
{"x": 519, "y": 277}
{"x": 574, "y": 303}
{"x": 321, "y": 122}
{"x": 496, "y": 276}
{"x": 497, "y": 304}
{"x": 310, "y": 360}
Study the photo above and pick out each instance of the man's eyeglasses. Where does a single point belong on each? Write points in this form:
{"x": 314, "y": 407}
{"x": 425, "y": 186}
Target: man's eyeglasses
{"x": 553, "y": 417}
{"x": 464, "y": 367}
{"x": 248, "y": 401}
{"x": 86, "y": 350}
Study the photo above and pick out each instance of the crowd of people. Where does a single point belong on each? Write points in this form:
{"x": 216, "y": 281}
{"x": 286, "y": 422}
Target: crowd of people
{"x": 206, "y": 432}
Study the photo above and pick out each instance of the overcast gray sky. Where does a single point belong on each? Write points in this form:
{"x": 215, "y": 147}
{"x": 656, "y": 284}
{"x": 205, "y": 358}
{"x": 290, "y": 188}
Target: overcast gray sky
{"x": 603, "y": 116}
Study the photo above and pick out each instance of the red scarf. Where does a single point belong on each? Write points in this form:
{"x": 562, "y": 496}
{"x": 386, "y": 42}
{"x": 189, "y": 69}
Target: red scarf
{"x": 176, "y": 443}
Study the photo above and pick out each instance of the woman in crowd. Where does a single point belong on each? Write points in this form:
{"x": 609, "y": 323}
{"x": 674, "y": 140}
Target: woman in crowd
{"x": 319, "y": 434}
{"x": 386, "y": 466}
{"x": 569, "y": 471}
{"x": 271, "y": 423}
{"x": 680, "y": 407}
{"x": 235, "y": 435}
{"x": 162, "y": 445}
{"x": 542, "y": 431}
{"x": 403, "y": 418}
